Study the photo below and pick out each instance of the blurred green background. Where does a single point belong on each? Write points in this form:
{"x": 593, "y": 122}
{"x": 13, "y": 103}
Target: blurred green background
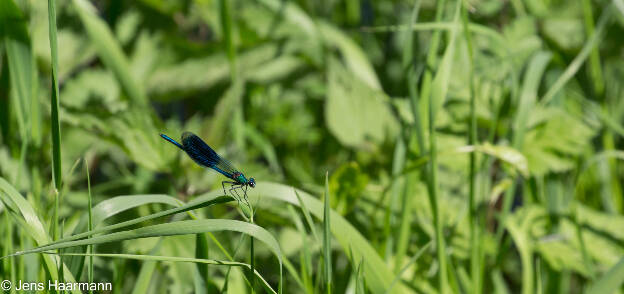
{"x": 471, "y": 146}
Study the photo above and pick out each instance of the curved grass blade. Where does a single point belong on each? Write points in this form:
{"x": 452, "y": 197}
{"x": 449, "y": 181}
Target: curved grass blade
{"x": 196, "y": 203}
{"x": 106, "y": 209}
{"x": 575, "y": 65}
{"x": 178, "y": 259}
{"x": 378, "y": 276}
{"x": 118, "y": 204}
{"x": 172, "y": 229}
{"x": 32, "y": 225}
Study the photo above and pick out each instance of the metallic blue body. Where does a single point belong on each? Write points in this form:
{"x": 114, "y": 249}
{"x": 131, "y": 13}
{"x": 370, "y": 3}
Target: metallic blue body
{"x": 205, "y": 156}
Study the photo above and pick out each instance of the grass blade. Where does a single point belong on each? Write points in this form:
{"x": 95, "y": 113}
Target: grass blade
{"x": 378, "y": 275}
{"x": 30, "y": 223}
{"x": 195, "y": 204}
{"x": 439, "y": 88}
{"x": 172, "y": 229}
{"x": 327, "y": 238}
{"x": 56, "y": 125}
{"x": 574, "y": 66}
{"x": 182, "y": 259}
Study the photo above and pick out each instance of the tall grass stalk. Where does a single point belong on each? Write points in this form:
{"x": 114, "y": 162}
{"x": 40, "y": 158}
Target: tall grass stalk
{"x": 225, "y": 17}
{"x": 89, "y": 223}
{"x": 472, "y": 140}
{"x": 431, "y": 176}
{"x": 55, "y": 125}
{"x": 411, "y": 79}
{"x": 433, "y": 199}
{"x": 327, "y": 238}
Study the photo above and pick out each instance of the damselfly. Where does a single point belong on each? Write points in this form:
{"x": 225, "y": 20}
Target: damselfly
{"x": 203, "y": 155}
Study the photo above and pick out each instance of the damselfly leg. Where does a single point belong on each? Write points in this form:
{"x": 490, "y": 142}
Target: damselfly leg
{"x": 234, "y": 186}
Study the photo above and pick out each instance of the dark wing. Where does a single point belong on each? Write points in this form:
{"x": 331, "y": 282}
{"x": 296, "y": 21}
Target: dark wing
{"x": 203, "y": 155}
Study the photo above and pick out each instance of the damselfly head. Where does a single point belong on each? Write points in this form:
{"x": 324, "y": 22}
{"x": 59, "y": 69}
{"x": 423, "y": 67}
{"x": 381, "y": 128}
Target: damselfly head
{"x": 252, "y": 182}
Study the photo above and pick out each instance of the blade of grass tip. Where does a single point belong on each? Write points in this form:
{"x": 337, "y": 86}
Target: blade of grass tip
{"x": 89, "y": 222}
{"x": 412, "y": 78}
{"x": 360, "y": 288}
{"x": 472, "y": 140}
{"x": 327, "y": 238}
{"x": 308, "y": 217}
{"x": 55, "y": 124}
{"x": 439, "y": 87}
{"x": 405, "y": 221}
{"x": 432, "y": 56}
{"x": 390, "y": 222}
{"x": 303, "y": 254}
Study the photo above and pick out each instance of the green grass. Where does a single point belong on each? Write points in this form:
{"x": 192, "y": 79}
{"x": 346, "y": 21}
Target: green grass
{"x": 467, "y": 146}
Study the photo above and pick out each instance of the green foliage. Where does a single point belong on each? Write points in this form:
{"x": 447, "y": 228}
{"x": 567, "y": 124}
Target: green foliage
{"x": 356, "y": 114}
{"x": 346, "y": 185}
{"x": 473, "y": 155}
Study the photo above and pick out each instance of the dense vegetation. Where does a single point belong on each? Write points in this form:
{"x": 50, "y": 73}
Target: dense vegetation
{"x": 399, "y": 146}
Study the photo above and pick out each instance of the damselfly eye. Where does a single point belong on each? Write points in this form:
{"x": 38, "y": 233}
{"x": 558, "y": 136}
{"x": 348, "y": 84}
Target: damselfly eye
{"x": 252, "y": 182}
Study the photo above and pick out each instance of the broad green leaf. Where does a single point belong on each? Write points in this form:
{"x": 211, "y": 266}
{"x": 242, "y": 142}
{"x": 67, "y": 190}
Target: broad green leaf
{"x": 93, "y": 85}
{"x": 203, "y": 73}
{"x": 355, "y": 58}
{"x": 355, "y": 113}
